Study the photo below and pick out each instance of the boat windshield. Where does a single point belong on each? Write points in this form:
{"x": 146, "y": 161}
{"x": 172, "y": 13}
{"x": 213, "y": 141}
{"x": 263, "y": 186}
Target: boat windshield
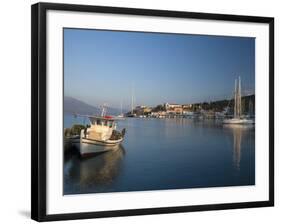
{"x": 110, "y": 124}
{"x": 107, "y": 123}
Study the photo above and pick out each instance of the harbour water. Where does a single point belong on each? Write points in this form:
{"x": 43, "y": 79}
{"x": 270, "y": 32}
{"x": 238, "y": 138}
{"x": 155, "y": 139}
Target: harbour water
{"x": 159, "y": 154}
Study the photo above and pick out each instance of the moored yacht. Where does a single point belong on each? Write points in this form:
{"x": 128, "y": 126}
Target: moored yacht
{"x": 238, "y": 118}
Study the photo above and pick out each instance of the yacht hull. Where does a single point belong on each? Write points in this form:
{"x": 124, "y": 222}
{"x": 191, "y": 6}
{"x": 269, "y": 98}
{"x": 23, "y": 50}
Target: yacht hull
{"x": 238, "y": 121}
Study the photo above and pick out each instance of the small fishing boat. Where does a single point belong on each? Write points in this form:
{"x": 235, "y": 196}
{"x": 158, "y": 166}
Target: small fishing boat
{"x": 101, "y": 136}
{"x": 121, "y": 115}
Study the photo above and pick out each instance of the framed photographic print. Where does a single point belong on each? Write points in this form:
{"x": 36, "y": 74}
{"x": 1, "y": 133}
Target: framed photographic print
{"x": 139, "y": 111}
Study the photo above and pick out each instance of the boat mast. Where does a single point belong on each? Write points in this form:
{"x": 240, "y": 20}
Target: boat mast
{"x": 103, "y": 110}
{"x": 239, "y": 97}
{"x": 132, "y": 100}
{"x": 235, "y": 99}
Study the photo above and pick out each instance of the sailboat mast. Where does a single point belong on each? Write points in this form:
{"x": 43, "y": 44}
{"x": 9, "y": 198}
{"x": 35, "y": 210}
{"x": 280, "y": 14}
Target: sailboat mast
{"x": 132, "y": 105}
{"x": 239, "y": 97}
{"x": 132, "y": 100}
{"x": 235, "y": 99}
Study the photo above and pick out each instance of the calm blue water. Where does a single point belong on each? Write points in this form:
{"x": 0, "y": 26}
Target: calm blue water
{"x": 166, "y": 154}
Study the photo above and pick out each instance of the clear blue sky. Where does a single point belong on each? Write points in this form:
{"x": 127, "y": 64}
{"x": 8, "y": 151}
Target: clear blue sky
{"x": 102, "y": 66}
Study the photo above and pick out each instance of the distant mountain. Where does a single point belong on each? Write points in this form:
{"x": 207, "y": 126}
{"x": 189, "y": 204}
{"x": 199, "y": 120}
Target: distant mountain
{"x": 72, "y": 105}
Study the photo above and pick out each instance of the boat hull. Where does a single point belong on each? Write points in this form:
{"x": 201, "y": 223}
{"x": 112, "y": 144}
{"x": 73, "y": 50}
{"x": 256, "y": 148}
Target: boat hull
{"x": 91, "y": 146}
{"x": 238, "y": 121}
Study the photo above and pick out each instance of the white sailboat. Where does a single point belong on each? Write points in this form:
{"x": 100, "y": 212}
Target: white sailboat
{"x": 121, "y": 115}
{"x": 238, "y": 119}
{"x": 132, "y": 114}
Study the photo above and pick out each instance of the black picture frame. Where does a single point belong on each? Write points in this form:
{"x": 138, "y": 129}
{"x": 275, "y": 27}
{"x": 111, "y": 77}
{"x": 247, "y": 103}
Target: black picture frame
{"x": 39, "y": 107}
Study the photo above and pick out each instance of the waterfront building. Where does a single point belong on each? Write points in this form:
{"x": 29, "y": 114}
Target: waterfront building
{"x": 173, "y": 108}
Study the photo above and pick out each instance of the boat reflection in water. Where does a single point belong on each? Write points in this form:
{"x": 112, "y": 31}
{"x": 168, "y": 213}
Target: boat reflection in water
{"x": 91, "y": 174}
{"x": 239, "y": 133}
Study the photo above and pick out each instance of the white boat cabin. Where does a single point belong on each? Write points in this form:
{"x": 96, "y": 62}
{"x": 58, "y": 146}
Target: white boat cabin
{"x": 101, "y": 128}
